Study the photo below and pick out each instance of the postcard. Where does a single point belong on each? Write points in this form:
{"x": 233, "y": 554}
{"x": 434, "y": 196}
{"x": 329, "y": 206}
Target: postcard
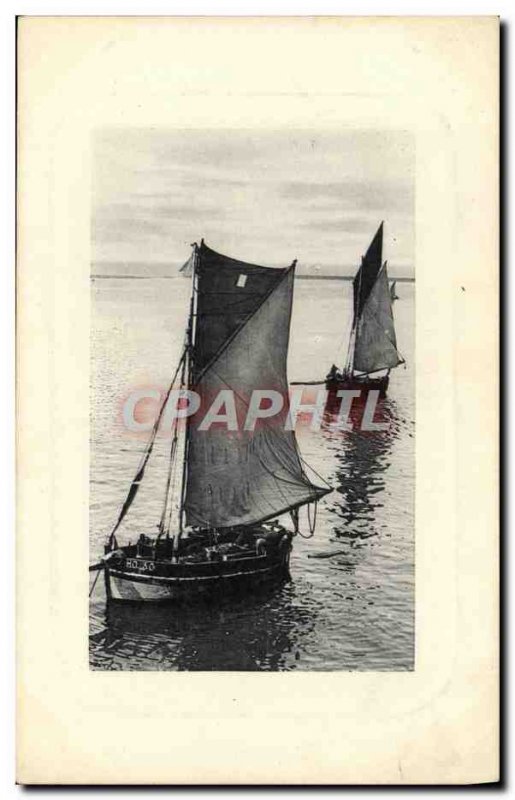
{"x": 257, "y": 400}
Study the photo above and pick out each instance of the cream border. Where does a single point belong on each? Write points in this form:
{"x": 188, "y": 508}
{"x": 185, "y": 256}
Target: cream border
{"x": 437, "y": 76}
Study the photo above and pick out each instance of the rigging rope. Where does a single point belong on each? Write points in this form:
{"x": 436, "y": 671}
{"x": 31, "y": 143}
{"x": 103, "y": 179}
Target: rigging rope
{"x": 94, "y": 582}
{"x": 311, "y": 522}
{"x": 145, "y": 457}
{"x": 307, "y": 383}
{"x": 173, "y": 449}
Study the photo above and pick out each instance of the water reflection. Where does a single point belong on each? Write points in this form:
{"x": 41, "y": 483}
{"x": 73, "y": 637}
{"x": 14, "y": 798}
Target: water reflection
{"x": 362, "y": 460}
{"x": 263, "y": 631}
{"x": 351, "y": 603}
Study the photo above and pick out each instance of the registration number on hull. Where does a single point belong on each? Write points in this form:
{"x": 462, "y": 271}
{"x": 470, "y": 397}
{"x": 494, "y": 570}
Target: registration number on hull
{"x": 143, "y": 566}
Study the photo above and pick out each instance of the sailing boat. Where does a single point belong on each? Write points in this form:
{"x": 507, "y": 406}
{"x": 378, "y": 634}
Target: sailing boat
{"x": 393, "y": 291}
{"x": 233, "y": 486}
{"x": 372, "y": 350}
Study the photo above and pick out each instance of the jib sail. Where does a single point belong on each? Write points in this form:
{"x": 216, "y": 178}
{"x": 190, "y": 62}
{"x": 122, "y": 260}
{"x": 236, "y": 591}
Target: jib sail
{"x": 187, "y": 267}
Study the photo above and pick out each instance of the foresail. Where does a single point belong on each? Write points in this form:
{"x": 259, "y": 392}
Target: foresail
{"x": 243, "y": 477}
{"x": 228, "y": 291}
{"x": 376, "y": 344}
{"x": 187, "y": 267}
{"x": 366, "y": 275}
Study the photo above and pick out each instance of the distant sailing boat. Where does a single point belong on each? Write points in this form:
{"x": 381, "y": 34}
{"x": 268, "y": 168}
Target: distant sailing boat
{"x": 372, "y": 350}
{"x": 232, "y": 486}
{"x": 393, "y": 291}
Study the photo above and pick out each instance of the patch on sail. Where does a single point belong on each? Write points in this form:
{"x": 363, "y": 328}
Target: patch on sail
{"x": 224, "y": 301}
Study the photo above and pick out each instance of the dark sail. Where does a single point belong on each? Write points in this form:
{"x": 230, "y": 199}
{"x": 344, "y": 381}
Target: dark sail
{"x": 244, "y": 477}
{"x": 376, "y": 344}
{"x": 366, "y": 275}
{"x": 228, "y": 292}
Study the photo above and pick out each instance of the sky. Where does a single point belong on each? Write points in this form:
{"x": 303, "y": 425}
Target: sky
{"x": 265, "y": 197}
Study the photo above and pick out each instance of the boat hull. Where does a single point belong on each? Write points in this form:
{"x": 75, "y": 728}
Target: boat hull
{"x": 362, "y": 384}
{"x": 134, "y": 579}
{"x": 126, "y": 587}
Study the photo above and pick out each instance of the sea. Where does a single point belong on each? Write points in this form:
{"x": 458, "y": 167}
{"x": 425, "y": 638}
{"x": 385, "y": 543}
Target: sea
{"x": 349, "y": 603}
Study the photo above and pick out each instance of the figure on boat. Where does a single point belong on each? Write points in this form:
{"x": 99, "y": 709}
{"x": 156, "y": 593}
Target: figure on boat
{"x": 232, "y": 488}
{"x": 372, "y": 350}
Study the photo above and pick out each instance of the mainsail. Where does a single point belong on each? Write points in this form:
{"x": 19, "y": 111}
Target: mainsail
{"x": 366, "y": 275}
{"x": 373, "y": 344}
{"x": 228, "y": 292}
{"x": 241, "y": 343}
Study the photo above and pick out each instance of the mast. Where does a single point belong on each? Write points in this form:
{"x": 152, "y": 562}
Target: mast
{"x": 349, "y": 363}
{"x": 171, "y": 462}
{"x": 186, "y": 379}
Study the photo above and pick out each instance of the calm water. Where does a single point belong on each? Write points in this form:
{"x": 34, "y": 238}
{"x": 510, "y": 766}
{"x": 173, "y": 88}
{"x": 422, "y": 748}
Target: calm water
{"x": 350, "y": 602}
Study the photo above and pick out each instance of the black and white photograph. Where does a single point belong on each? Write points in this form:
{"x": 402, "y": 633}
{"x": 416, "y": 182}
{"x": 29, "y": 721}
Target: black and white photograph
{"x": 252, "y": 400}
